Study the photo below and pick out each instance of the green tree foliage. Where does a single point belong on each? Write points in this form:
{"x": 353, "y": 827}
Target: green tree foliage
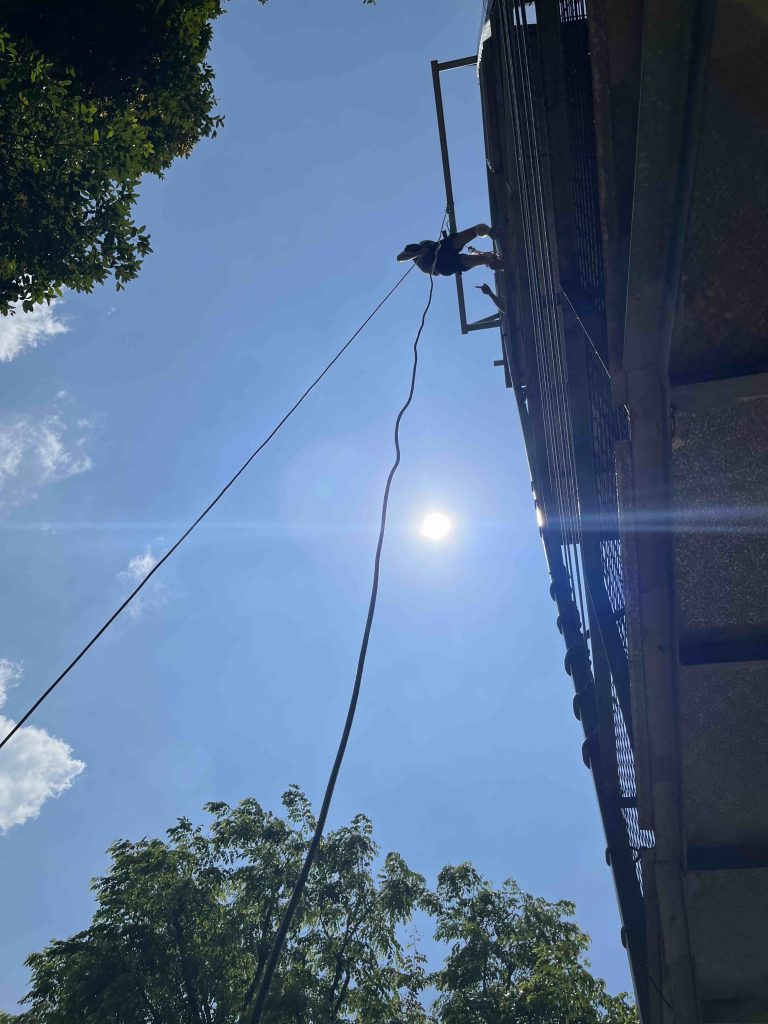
{"x": 514, "y": 958}
{"x": 183, "y": 929}
{"x": 93, "y": 94}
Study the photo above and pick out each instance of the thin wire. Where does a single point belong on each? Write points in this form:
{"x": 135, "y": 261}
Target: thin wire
{"x": 254, "y": 1016}
{"x": 199, "y": 519}
{"x": 519, "y": 104}
{"x": 551, "y": 359}
{"x": 650, "y": 978}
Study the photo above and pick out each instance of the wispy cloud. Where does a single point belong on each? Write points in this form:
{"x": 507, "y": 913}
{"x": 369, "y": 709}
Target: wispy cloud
{"x": 140, "y": 565}
{"x": 154, "y": 595}
{"x": 25, "y": 331}
{"x": 35, "y": 451}
{"x": 34, "y": 767}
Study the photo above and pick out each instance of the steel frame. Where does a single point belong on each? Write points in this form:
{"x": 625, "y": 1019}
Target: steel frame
{"x": 438, "y": 67}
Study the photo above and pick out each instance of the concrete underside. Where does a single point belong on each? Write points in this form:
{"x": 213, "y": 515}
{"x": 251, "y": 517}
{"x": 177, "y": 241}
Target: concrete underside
{"x": 707, "y": 776}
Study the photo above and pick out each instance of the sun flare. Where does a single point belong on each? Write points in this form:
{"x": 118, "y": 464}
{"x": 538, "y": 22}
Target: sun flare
{"x": 435, "y": 526}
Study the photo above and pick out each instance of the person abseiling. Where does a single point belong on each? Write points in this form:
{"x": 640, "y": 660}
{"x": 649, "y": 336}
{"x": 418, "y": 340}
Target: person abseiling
{"x": 450, "y": 259}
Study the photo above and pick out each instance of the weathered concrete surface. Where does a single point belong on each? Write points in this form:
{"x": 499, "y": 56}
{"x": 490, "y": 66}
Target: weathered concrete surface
{"x": 724, "y": 738}
{"x": 722, "y": 320}
{"x": 728, "y": 911}
{"x": 720, "y": 494}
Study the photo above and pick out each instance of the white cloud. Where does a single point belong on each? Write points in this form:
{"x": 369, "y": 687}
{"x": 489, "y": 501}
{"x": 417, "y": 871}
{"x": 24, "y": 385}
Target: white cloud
{"x": 34, "y": 767}
{"x": 10, "y": 674}
{"x": 154, "y": 595}
{"x": 27, "y": 330}
{"x": 38, "y": 451}
{"x": 140, "y": 565}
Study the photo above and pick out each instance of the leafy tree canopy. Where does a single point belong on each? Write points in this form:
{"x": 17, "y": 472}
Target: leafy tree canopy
{"x": 93, "y": 94}
{"x": 183, "y": 928}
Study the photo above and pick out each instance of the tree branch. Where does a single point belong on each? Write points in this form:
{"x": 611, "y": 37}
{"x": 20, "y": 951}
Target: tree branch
{"x": 186, "y": 970}
{"x": 261, "y": 953}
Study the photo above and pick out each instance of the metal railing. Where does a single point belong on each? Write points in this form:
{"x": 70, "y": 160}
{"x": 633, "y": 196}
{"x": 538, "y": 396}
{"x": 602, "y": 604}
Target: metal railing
{"x": 437, "y": 68}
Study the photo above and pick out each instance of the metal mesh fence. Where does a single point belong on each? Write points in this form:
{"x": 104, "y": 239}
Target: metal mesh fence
{"x": 610, "y": 424}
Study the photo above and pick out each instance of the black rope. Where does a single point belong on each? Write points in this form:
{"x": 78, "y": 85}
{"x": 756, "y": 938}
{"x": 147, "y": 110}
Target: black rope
{"x": 651, "y": 979}
{"x": 199, "y": 519}
{"x": 254, "y": 1016}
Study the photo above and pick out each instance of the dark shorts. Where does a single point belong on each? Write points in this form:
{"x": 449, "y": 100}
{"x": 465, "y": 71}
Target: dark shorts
{"x": 448, "y": 261}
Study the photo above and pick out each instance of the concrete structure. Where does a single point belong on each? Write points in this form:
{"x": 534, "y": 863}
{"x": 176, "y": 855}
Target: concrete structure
{"x": 627, "y": 149}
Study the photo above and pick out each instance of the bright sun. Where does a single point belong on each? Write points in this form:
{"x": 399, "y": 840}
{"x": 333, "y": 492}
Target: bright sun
{"x": 435, "y": 526}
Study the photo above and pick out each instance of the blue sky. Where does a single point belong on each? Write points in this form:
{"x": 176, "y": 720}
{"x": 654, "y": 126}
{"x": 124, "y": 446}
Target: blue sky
{"x": 231, "y": 679}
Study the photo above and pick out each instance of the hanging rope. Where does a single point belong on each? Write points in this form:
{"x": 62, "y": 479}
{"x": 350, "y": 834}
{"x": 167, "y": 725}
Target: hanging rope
{"x": 134, "y": 593}
{"x": 255, "y": 1014}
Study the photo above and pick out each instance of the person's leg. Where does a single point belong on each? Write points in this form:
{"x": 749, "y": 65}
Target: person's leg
{"x": 460, "y": 239}
{"x": 487, "y": 290}
{"x": 480, "y": 259}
